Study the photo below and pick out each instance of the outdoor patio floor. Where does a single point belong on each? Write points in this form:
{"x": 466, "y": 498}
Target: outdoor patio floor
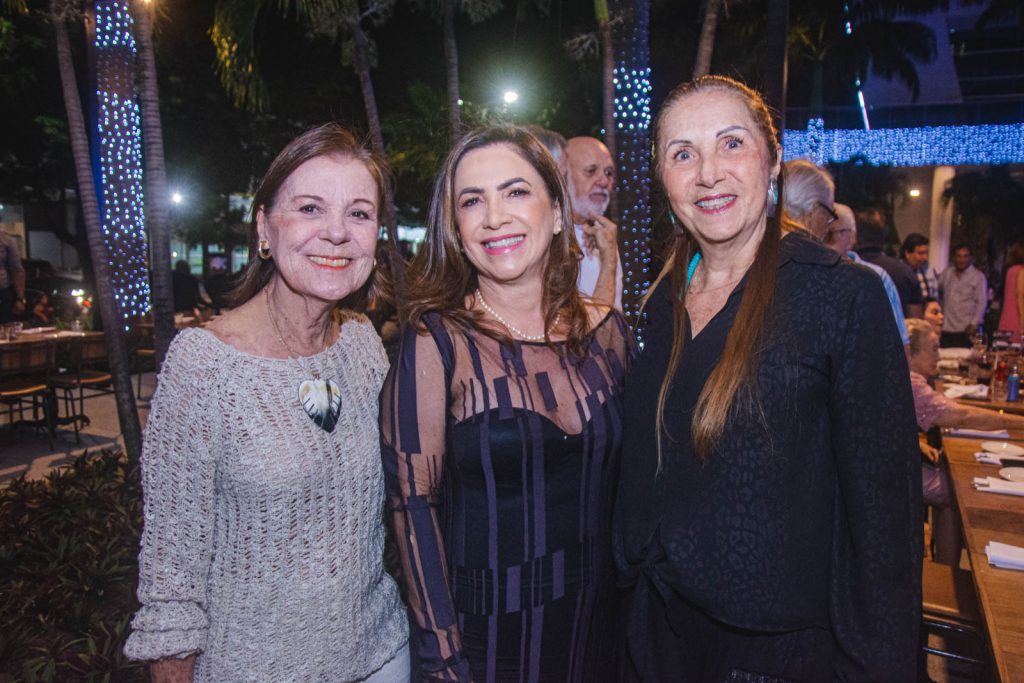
{"x": 30, "y": 454}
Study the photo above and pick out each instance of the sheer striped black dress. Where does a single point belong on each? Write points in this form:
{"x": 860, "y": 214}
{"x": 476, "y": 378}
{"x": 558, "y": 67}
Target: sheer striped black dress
{"x": 500, "y": 465}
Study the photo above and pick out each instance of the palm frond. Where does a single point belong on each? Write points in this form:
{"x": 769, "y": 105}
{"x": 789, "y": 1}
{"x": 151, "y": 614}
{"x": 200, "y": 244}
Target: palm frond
{"x": 478, "y": 10}
{"x": 892, "y": 49}
{"x": 998, "y": 10}
{"x": 233, "y": 35}
{"x": 13, "y": 7}
{"x": 583, "y": 46}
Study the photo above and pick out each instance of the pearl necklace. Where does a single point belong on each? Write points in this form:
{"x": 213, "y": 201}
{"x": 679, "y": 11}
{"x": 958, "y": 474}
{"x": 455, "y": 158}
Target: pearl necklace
{"x": 512, "y": 328}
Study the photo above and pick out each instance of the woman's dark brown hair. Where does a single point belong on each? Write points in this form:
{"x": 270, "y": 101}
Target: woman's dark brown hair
{"x": 442, "y": 277}
{"x": 739, "y": 358}
{"x": 330, "y": 139}
{"x": 1014, "y": 257}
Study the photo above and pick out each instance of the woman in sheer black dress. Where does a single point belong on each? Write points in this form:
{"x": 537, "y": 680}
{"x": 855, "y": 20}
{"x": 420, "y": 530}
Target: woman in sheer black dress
{"x": 768, "y": 525}
{"x": 501, "y": 427}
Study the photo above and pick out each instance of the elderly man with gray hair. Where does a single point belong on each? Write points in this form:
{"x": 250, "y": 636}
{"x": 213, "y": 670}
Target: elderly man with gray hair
{"x": 809, "y": 196}
{"x": 589, "y": 173}
{"x": 840, "y": 237}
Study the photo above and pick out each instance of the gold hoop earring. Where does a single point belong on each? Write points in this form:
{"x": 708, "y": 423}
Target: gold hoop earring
{"x": 264, "y": 250}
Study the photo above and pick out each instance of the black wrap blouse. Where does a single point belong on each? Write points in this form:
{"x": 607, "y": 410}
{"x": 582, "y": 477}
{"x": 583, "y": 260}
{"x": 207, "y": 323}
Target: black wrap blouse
{"x": 808, "y": 514}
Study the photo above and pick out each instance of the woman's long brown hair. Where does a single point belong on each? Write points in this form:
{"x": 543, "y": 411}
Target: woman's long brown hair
{"x": 441, "y": 276}
{"x": 739, "y": 358}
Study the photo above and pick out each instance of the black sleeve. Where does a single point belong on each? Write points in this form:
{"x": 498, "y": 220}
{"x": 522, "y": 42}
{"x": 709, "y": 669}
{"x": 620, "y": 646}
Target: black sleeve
{"x": 875, "y": 594}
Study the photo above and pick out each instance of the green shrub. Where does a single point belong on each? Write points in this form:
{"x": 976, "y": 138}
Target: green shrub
{"x": 68, "y": 567}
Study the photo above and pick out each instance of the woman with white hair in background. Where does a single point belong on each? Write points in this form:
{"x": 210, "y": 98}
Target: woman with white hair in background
{"x": 932, "y": 409}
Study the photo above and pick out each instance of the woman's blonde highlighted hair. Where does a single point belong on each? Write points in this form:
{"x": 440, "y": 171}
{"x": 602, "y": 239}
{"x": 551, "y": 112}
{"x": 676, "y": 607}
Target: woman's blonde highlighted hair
{"x": 442, "y": 277}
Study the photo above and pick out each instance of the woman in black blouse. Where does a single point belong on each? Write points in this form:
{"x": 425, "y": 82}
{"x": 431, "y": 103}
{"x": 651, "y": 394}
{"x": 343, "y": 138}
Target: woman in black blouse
{"x": 768, "y": 514}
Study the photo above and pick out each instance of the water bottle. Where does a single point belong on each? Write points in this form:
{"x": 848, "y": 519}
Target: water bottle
{"x": 1013, "y": 384}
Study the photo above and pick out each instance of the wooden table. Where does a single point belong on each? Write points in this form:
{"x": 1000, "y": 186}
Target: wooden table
{"x": 49, "y": 337}
{"x": 25, "y": 349}
{"x": 991, "y": 517}
{"x": 1016, "y": 408}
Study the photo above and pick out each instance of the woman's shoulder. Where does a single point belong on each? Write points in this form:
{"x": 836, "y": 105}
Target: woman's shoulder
{"x": 357, "y": 325}
{"x": 812, "y": 261}
{"x": 359, "y": 335}
{"x": 194, "y": 360}
{"x": 597, "y": 313}
{"x": 194, "y": 345}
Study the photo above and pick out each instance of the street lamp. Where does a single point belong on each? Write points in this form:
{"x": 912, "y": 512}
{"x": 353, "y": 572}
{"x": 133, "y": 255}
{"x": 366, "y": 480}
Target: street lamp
{"x": 177, "y": 198}
{"x": 510, "y": 96}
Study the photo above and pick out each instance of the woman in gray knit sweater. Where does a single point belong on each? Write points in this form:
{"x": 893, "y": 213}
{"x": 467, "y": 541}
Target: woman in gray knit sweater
{"x": 261, "y": 555}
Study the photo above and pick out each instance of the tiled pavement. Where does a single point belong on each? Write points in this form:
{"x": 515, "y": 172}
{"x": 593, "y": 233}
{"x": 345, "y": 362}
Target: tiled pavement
{"x": 30, "y": 454}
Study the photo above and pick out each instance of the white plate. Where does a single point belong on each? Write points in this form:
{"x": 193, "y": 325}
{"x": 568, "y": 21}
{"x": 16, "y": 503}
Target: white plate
{"x": 1001, "y": 448}
{"x": 1012, "y": 473}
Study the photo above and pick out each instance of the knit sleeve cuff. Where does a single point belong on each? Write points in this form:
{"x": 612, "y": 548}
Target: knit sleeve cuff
{"x": 167, "y": 629}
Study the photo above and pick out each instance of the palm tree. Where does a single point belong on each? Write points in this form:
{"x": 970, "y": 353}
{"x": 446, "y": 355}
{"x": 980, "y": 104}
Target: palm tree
{"x": 776, "y": 64}
{"x": 234, "y": 37}
{"x": 601, "y": 42}
{"x": 476, "y": 11}
{"x": 850, "y": 39}
{"x": 604, "y": 32}
{"x": 706, "y": 46}
{"x": 158, "y": 224}
{"x": 986, "y": 210}
{"x": 996, "y": 10}
{"x": 62, "y": 11}
{"x": 632, "y": 55}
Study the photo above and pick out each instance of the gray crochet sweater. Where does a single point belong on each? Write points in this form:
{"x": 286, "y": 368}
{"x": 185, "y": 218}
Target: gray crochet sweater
{"x": 262, "y": 546}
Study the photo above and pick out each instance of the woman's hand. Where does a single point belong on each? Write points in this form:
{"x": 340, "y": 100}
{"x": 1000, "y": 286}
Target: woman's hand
{"x": 172, "y": 670}
{"x": 930, "y": 453}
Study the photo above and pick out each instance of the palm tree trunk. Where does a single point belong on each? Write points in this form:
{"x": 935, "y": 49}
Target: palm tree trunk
{"x": 117, "y": 348}
{"x": 604, "y": 31}
{"x": 632, "y": 55}
{"x": 362, "y": 67}
{"x": 451, "y": 55}
{"x": 776, "y": 72}
{"x": 706, "y": 46}
{"x": 818, "y": 89}
{"x": 156, "y": 190}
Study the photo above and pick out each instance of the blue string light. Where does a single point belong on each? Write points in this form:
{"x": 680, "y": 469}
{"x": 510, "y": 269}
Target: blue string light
{"x": 925, "y": 146}
{"x": 119, "y": 129}
{"x": 632, "y": 80}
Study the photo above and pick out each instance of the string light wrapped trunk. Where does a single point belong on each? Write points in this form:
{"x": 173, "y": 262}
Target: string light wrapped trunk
{"x": 631, "y": 77}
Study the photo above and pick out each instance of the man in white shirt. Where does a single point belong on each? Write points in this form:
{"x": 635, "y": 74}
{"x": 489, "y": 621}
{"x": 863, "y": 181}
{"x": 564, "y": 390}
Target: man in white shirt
{"x": 591, "y": 178}
{"x": 963, "y": 291}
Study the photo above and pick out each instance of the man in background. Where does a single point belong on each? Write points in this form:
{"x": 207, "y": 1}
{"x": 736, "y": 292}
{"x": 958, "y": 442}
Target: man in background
{"x": 964, "y": 293}
{"x": 12, "y": 280}
{"x": 871, "y": 231}
{"x": 591, "y": 178}
{"x": 915, "y": 254}
{"x": 841, "y": 237}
